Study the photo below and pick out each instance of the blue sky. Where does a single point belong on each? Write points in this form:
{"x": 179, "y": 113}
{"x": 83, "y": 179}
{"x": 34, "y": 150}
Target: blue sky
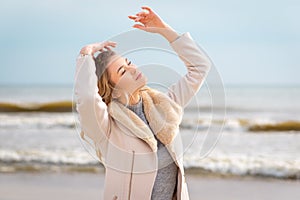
{"x": 253, "y": 42}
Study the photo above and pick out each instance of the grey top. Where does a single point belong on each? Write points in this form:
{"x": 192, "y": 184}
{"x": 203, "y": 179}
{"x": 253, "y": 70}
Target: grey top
{"x": 166, "y": 178}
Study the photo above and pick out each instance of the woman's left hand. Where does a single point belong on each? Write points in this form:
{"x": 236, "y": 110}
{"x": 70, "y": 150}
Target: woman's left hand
{"x": 151, "y": 22}
{"x": 100, "y": 46}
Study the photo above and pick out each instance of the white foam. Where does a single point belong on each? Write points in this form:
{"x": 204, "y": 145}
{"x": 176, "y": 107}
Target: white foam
{"x": 36, "y": 120}
{"x": 73, "y": 157}
{"x": 246, "y": 165}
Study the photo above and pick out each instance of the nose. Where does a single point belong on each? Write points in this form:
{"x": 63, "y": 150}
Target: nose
{"x": 132, "y": 69}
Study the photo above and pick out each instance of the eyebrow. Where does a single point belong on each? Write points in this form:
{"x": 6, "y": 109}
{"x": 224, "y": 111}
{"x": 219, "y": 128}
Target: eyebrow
{"x": 121, "y": 66}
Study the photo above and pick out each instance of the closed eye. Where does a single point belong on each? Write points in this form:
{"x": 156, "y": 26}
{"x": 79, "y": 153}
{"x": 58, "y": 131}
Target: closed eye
{"x": 123, "y": 71}
{"x": 129, "y": 63}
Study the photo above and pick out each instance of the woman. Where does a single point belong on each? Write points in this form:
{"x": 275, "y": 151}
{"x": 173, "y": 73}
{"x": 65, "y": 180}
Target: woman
{"x": 135, "y": 129}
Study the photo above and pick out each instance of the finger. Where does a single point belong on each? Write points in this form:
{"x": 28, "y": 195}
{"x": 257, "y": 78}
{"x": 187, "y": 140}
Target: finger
{"x": 107, "y": 48}
{"x": 112, "y": 43}
{"x": 82, "y": 50}
{"x": 141, "y": 14}
{"x": 147, "y": 8}
{"x": 109, "y": 42}
{"x": 132, "y": 16}
{"x": 141, "y": 19}
{"x": 86, "y": 50}
{"x": 101, "y": 50}
{"x": 137, "y": 19}
{"x": 139, "y": 26}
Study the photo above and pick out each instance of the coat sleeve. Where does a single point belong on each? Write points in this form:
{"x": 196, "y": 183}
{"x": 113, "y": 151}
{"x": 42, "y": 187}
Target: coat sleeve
{"x": 197, "y": 64}
{"x": 93, "y": 112}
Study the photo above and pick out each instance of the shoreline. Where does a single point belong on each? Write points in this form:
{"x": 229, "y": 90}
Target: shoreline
{"x": 78, "y": 186}
{"x": 98, "y": 169}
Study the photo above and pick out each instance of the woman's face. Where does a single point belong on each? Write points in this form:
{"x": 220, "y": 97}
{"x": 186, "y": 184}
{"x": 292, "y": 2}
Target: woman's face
{"x": 125, "y": 75}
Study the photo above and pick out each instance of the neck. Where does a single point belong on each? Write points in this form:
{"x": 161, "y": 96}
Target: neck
{"x": 134, "y": 98}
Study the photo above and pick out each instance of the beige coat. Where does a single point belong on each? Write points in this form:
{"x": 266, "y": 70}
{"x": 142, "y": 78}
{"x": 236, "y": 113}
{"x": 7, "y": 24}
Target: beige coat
{"x": 123, "y": 143}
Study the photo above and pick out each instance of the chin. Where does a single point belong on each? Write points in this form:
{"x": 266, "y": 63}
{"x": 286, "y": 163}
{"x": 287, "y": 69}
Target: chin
{"x": 145, "y": 80}
{"x": 141, "y": 83}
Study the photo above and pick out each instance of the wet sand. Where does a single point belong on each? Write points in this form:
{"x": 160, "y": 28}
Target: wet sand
{"x": 78, "y": 186}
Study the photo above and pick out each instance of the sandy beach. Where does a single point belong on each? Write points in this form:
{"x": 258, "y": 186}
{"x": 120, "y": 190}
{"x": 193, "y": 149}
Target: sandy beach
{"x": 78, "y": 186}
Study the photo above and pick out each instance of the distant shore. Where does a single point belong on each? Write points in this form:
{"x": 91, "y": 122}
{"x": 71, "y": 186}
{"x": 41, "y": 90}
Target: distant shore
{"x": 78, "y": 186}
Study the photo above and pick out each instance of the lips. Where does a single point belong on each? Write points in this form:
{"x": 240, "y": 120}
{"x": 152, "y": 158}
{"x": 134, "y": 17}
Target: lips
{"x": 139, "y": 76}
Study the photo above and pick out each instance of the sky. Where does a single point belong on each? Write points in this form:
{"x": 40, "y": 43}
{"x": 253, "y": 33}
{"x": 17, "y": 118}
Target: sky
{"x": 250, "y": 42}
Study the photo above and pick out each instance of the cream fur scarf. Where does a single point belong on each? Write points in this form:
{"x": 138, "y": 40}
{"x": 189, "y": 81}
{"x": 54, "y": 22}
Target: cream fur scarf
{"x": 163, "y": 114}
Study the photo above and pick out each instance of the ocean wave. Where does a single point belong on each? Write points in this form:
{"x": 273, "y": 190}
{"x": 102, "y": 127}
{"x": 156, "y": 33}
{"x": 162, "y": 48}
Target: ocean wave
{"x": 43, "y": 160}
{"x": 280, "y": 126}
{"x": 240, "y": 108}
{"x": 245, "y": 165}
{"x": 68, "y": 106}
{"x": 70, "y": 121}
{"x": 55, "y": 118}
{"x": 49, "y": 157}
{"x": 37, "y": 121}
{"x": 56, "y": 106}
{"x": 242, "y": 165}
{"x": 39, "y": 167}
{"x": 242, "y": 125}
{"x": 263, "y": 124}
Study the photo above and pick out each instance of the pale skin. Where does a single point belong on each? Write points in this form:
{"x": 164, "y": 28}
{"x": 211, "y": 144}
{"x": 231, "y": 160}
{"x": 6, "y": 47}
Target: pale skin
{"x": 126, "y": 77}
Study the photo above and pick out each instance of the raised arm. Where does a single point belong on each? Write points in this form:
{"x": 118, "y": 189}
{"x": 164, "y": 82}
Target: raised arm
{"x": 93, "y": 114}
{"x": 197, "y": 63}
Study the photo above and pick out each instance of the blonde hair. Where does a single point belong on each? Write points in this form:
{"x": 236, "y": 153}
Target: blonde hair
{"x": 105, "y": 86}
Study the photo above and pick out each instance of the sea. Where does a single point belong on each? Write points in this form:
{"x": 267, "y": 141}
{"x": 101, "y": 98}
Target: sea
{"x": 255, "y": 133}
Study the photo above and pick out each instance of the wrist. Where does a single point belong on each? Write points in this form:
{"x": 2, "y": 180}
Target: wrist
{"x": 86, "y": 51}
{"x": 95, "y": 48}
{"x": 169, "y": 33}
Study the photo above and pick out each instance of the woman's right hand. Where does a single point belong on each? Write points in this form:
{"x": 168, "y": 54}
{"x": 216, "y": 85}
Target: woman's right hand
{"x": 93, "y": 48}
{"x": 150, "y": 20}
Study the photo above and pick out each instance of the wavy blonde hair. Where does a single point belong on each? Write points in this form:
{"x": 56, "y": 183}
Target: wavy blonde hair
{"x": 105, "y": 86}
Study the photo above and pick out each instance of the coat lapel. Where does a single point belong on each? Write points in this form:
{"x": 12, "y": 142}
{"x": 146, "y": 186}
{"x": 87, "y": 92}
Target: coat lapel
{"x": 130, "y": 120}
{"x": 162, "y": 113}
